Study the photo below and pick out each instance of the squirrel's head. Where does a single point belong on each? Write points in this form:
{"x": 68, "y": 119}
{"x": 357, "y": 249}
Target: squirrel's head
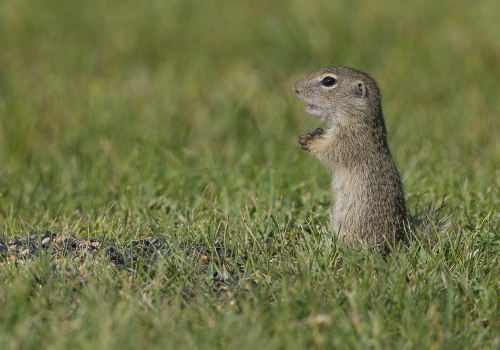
{"x": 336, "y": 93}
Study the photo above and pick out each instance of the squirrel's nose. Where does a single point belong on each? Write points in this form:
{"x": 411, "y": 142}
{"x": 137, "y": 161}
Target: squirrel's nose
{"x": 295, "y": 89}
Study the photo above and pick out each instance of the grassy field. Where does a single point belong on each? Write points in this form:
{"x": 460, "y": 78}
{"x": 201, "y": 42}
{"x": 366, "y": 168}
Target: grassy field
{"x": 177, "y": 119}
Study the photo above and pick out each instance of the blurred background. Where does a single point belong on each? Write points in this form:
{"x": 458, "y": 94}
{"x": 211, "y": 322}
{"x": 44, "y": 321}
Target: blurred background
{"x": 187, "y": 106}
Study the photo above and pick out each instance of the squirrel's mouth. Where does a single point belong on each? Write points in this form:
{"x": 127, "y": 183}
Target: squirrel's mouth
{"x": 314, "y": 110}
{"x": 311, "y": 108}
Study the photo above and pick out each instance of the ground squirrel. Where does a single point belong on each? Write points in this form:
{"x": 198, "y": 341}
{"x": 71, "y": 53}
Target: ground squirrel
{"x": 369, "y": 198}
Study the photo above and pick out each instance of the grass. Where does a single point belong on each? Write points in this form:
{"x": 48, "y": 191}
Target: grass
{"x": 177, "y": 119}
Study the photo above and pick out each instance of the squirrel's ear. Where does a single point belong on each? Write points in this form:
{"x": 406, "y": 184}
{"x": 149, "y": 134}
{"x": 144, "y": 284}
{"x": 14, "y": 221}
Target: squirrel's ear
{"x": 360, "y": 90}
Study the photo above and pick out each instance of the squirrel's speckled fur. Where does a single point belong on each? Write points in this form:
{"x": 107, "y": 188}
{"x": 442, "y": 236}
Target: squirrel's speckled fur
{"x": 369, "y": 197}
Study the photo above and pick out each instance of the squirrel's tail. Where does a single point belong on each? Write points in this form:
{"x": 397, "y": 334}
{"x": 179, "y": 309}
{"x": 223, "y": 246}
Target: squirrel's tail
{"x": 428, "y": 226}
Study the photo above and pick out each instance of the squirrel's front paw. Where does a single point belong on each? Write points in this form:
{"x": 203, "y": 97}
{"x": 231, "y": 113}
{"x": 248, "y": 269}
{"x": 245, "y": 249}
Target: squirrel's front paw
{"x": 307, "y": 139}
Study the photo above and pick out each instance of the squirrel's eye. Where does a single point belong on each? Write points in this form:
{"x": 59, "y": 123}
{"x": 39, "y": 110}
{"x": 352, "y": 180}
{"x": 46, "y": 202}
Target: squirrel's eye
{"x": 328, "y": 81}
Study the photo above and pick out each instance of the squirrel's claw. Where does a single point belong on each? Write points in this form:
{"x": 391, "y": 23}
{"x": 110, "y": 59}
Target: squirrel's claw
{"x": 306, "y": 139}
